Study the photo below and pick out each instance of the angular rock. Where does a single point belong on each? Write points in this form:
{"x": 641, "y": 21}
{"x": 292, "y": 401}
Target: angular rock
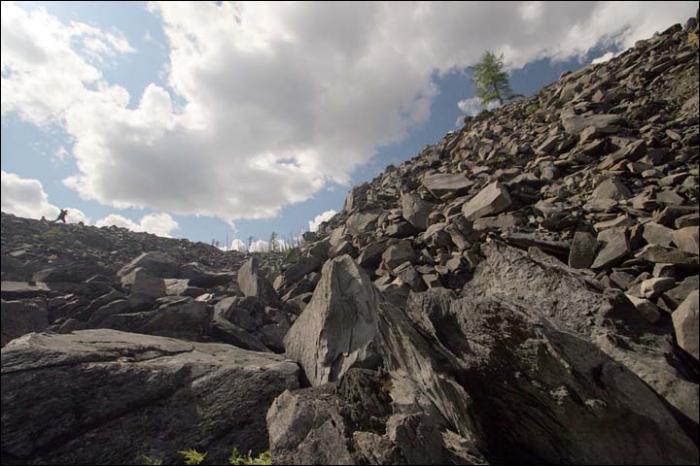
{"x": 144, "y": 287}
{"x": 685, "y": 323}
{"x": 611, "y": 188}
{"x": 362, "y": 222}
{"x": 491, "y": 200}
{"x": 660, "y": 254}
{"x": 397, "y": 254}
{"x": 442, "y": 185}
{"x": 583, "y": 250}
{"x": 687, "y": 239}
{"x": 336, "y": 330}
{"x": 613, "y": 252}
{"x": 655, "y": 233}
{"x": 156, "y": 263}
{"x": 415, "y": 210}
{"x": 253, "y": 283}
{"x": 653, "y": 287}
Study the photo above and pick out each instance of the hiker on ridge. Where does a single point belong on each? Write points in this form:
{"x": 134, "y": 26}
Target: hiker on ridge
{"x": 61, "y": 216}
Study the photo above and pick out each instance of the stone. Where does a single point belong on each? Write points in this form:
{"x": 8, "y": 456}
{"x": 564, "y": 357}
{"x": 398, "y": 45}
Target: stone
{"x": 122, "y": 396}
{"x": 491, "y": 200}
{"x": 613, "y": 251}
{"x": 397, "y": 254}
{"x": 223, "y": 328}
{"x": 361, "y": 222}
{"x": 185, "y": 319}
{"x": 678, "y": 294}
{"x": 660, "y": 254}
{"x": 611, "y": 188}
{"x": 20, "y": 318}
{"x": 443, "y": 185}
{"x": 602, "y": 123}
{"x": 307, "y": 427}
{"x": 685, "y": 323}
{"x": 371, "y": 255}
{"x": 336, "y": 330}
{"x": 119, "y": 306}
{"x": 583, "y": 250}
{"x": 669, "y": 197}
{"x": 649, "y": 310}
{"x": 253, "y": 283}
{"x": 687, "y": 239}
{"x": 156, "y": 263}
{"x": 655, "y": 233}
{"x": 144, "y": 288}
{"x": 199, "y": 276}
{"x": 653, "y": 287}
{"x": 415, "y": 210}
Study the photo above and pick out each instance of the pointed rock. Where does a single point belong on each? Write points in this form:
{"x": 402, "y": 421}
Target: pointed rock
{"x": 336, "y": 330}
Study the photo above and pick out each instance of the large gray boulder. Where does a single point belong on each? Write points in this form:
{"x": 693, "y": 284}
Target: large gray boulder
{"x": 336, "y": 330}
{"x": 253, "y": 283}
{"x": 108, "y": 397}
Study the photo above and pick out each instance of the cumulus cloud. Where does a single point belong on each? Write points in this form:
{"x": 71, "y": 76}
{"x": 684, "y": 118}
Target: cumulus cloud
{"x": 603, "y": 58}
{"x": 238, "y": 245}
{"x": 25, "y": 197}
{"x": 161, "y": 224}
{"x": 473, "y": 106}
{"x": 48, "y": 66}
{"x": 268, "y": 103}
{"x": 259, "y": 246}
{"x": 320, "y": 218}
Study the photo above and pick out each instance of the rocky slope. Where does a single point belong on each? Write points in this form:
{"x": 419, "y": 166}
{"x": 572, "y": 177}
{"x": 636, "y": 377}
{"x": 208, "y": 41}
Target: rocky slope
{"x": 524, "y": 290}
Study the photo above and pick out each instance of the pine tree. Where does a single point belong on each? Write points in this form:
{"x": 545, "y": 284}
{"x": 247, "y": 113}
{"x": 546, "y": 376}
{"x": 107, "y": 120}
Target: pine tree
{"x": 490, "y": 79}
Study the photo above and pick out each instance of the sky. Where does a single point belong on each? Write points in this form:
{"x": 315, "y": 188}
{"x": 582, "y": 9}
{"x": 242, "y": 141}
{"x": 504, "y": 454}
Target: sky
{"x": 232, "y": 120}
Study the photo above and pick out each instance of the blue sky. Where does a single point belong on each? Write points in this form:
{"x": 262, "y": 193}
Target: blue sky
{"x": 309, "y": 141}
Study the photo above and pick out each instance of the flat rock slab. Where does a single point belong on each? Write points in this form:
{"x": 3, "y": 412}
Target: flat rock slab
{"x": 446, "y": 184}
{"x": 109, "y": 397}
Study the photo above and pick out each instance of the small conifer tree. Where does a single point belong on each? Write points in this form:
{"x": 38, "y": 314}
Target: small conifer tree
{"x": 490, "y": 79}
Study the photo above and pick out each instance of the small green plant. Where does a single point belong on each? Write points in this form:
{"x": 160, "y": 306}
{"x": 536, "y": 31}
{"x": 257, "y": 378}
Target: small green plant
{"x": 237, "y": 458}
{"x": 150, "y": 460}
{"x": 52, "y": 235}
{"x": 193, "y": 456}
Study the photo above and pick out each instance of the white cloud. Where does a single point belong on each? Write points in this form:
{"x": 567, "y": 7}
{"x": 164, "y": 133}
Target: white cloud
{"x": 320, "y": 218}
{"x": 473, "y": 106}
{"x": 46, "y": 65}
{"x": 160, "y": 224}
{"x": 25, "y": 197}
{"x": 238, "y": 245}
{"x": 279, "y": 99}
{"x": 603, "y": 58}
{"x": 259, "y": 246}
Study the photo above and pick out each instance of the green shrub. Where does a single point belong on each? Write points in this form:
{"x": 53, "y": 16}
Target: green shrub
{"x": 263, "y": 458}
{"x": 192, "y": 456}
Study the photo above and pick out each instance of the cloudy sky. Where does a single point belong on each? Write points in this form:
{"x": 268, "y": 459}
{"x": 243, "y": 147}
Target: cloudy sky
{"x": 215, "y": 120}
